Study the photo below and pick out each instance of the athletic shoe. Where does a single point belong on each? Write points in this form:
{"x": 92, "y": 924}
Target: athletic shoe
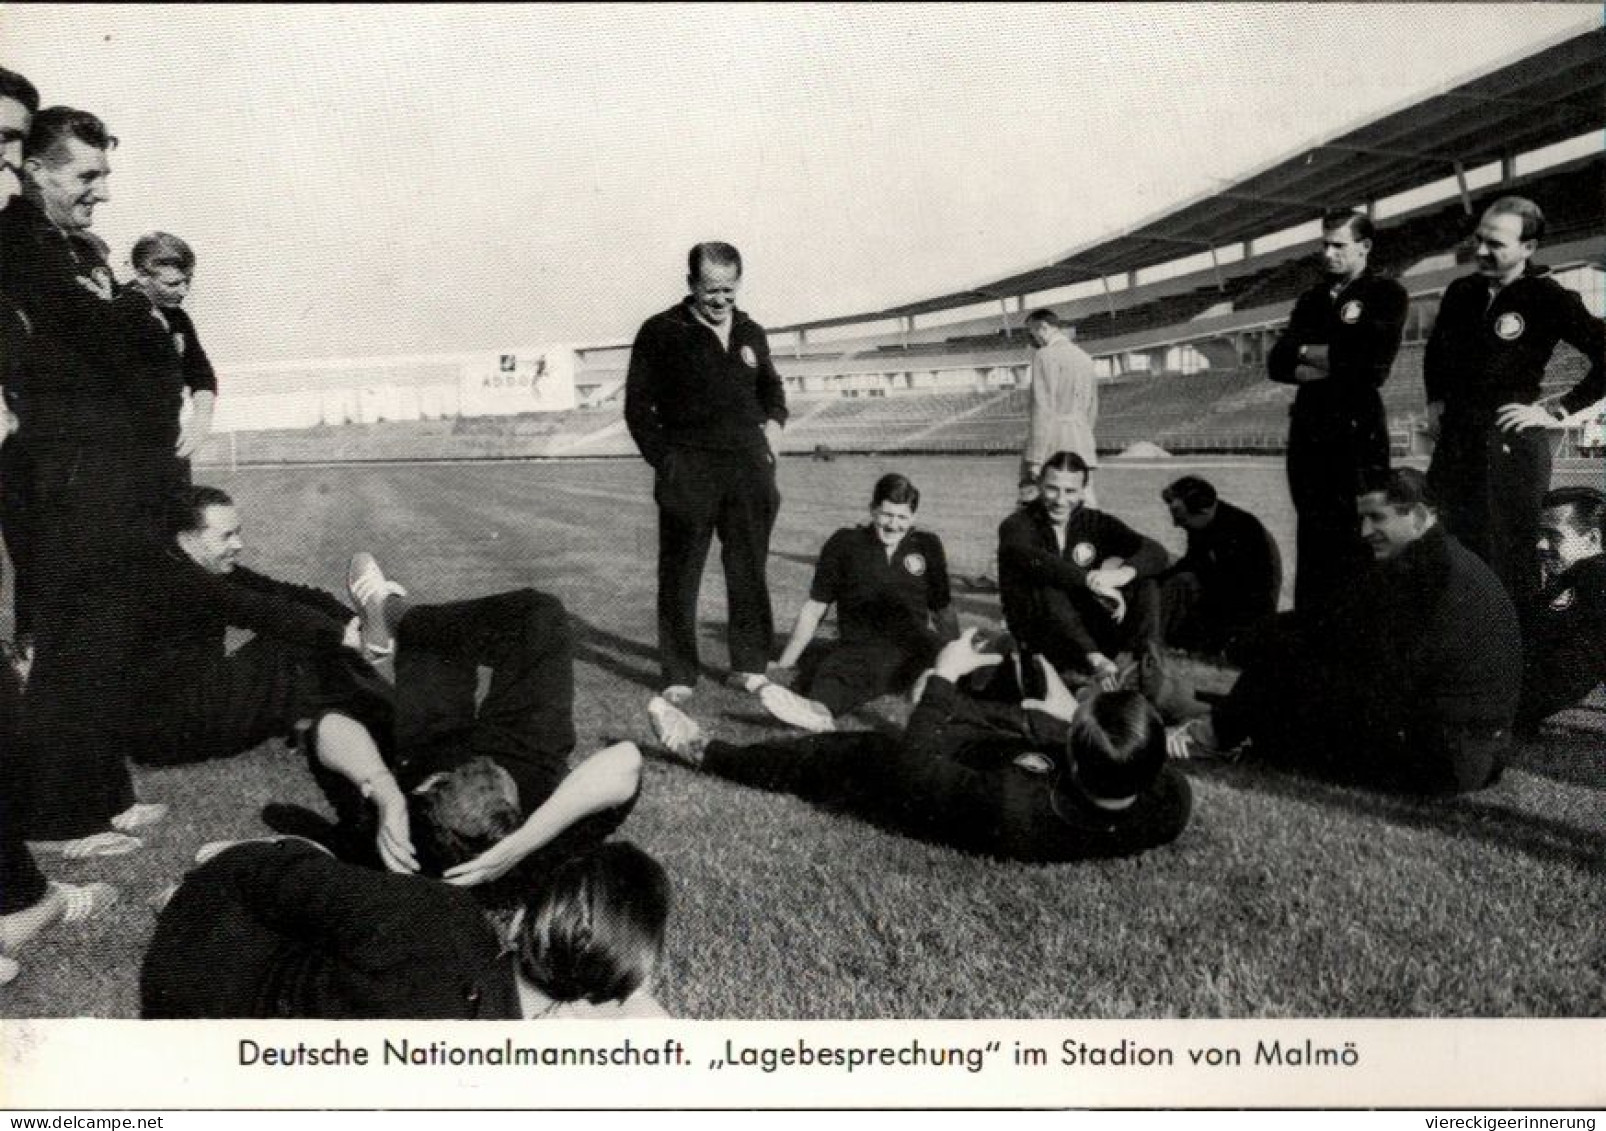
{"x": 369, "y": 589}
{"x": 678, "y": 693}
{"x": 677, "y": 731}
{"x": 794, "y": 710}
{"x": 84, "y": 901}
{"x": 138, "y": 816}
{"x": 746, "y": 681}
{"x": 1033, "y": 762}
{"x": 98, "y": 844}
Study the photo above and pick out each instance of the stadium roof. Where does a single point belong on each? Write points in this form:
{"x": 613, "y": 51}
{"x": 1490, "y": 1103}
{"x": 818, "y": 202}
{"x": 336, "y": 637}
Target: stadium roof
{"x": 1551, "y": 95}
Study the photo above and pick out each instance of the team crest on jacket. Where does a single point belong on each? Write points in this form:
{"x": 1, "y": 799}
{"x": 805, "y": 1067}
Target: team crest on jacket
{"x": 1509, "y": 326}
{"x": 749, "y": 357}
{"x": 1083, "y": 554}
{"x": 1563, "y": 601}
{"x": 915, "y": 564}
{"x": 1350, "y": 312}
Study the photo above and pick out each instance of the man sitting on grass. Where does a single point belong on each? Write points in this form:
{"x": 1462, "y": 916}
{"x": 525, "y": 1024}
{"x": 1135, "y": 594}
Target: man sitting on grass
{"x": 889, "y": 583}
{"x": 1077, "y": 584}
{"x": 1229, "y": 579}
{"x": 1565, "y": 653}
{"x": 1408, "y": 684}
{"x": 1041, "y": 780}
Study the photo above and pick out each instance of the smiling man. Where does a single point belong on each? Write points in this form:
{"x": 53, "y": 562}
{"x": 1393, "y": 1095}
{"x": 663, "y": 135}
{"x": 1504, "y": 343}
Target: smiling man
{"x": 705, "y": 407}
{"x": 1483, "y": 367}
{"x": 77, "y": 492}
{"x": 1411, "y": 687}
{"x": 1338, "y": 350}
{"x": 889, "y": 583}
{"x": 1565, "y": 653}
{"x": 1077, "y": 584}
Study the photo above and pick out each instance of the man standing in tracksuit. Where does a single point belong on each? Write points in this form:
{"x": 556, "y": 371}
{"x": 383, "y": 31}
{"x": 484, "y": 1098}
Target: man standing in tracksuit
{"x": 705, "y": 406}
{"x": 1483, "y": 368}
{"x": 1338, "y": 349}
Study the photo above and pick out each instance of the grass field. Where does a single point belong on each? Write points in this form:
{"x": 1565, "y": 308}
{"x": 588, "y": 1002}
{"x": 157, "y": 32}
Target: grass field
{"x": 1284, "y": 898}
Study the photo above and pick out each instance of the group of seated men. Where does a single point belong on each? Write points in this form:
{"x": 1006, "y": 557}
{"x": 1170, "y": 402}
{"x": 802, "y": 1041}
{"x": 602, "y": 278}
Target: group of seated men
{"x": 1414, "y": 680}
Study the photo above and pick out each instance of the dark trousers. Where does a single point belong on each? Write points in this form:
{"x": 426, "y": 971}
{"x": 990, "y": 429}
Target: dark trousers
{"x": 21, "y": 883}
{"x": 846, "y": 673}
{"x": 1490, "y": 485}
{"x": 86, "y": 506}
{"x": 1056, "y": 614}
{"x": 701, "y": 493}
{"x": 255, "y": 693}
{"x": 976, "y": 799}
{"x": 1329, "y": 457}
{"x": 1305, "y": 713}
{"x": 525, "y": 722}
{"x": 16, "y": 484}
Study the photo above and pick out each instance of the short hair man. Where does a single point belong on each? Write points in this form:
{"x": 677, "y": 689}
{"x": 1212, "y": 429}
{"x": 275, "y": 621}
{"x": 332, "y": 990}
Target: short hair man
{"x": 705, "y": 406}
{"x": 92, "y": 479}
{"x": 1483, "y": 367}
{"x": 1064, "y": 405}
{"x": 1229, "y": 579}
{"x": 1077, "y": 584}
{"x": 1410, "y": 687}
{"x": 1565, "y": 656}
{"x": 29, "y": 903}
{"x": 1338, "y": 348}
{"x": 889, "y": 583}
{"x": 164, "y": 270}
{"x": 1041, "y": 780}
{"x": 370, "y": 745}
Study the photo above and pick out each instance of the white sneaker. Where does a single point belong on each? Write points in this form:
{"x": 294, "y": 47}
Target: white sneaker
{"x": 139, "y": 815}
{"x": 677, "y": 731}
{"x": 794, "y": 710}
{"x": 84, "y": 901}
{"x": 1033, "y": 762}
{"x": 747, "y": 681}
{"x": 369, "y": 587}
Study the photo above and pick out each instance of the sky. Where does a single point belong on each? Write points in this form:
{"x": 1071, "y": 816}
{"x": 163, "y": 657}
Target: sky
{"x": 375, "y": 180}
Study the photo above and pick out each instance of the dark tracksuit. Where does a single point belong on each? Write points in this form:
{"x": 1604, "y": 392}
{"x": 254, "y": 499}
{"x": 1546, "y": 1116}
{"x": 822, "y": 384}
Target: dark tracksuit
{"x": 1482, "y": 355}
{"x": 197, "y": 700}
{"x": 883, "y": 612}
{"x": 696, "y": 412}
{"x": 1337, "y": 432}
{"x": 21, "y": 883}
{"x": 1227, "y": 582}
{"x": 951, "y": 779}
{"x": 1565, "y": 649}
{"x": 195, "y": 367}
{"x": 90, "y": 484}
{"x": 430, "y": 724}
{"x": 95, "y": 376}
{"x": 1410, "y": 686}
{"x": 1044, "y": 592}
{"x": 282, "y": 929}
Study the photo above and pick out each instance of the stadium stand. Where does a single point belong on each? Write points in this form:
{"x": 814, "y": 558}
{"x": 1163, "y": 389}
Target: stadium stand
{"x": 1182, "y": 350}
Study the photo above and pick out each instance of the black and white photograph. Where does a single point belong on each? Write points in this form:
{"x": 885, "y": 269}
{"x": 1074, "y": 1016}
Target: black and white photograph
{"x": 1156, "y": 456}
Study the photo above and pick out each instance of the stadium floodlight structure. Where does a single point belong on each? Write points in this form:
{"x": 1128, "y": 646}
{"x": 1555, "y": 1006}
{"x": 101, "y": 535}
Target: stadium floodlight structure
{"x": 1544, "y": 97}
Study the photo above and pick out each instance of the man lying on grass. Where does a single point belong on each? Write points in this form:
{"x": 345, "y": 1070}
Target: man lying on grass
{"x": 279, "y": 928}
{"x": 1039, "y": 780}
{"x": 1407, "y": 683}
{"x": 370, "y": 743}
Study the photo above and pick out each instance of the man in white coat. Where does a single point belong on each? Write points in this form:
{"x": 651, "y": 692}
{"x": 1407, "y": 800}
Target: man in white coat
{"x": 1064, "y": 405}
